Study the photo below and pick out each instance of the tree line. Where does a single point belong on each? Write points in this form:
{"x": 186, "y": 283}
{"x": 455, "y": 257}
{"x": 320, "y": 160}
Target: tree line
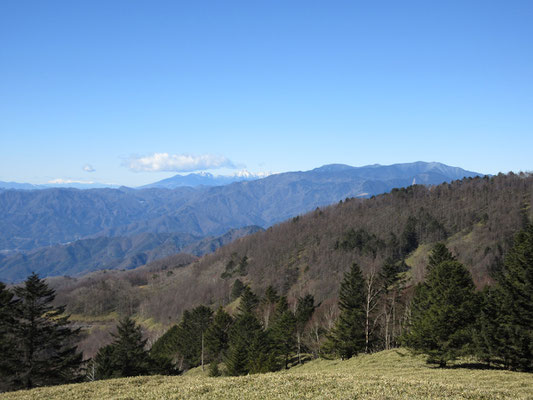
{"x": 445, "y": 319}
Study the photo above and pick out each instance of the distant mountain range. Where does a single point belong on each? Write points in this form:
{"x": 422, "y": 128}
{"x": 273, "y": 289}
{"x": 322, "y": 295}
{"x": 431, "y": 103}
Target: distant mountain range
{"x": 56, "y": 184}
{"x": 203, "y": 179}
{"x": 43, "y": 218}
{"x": 87, "y": 255}
{"x": 190, "y": 180}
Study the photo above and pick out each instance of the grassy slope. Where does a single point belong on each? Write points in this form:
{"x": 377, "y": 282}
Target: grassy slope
{"x": 390, "y": 374}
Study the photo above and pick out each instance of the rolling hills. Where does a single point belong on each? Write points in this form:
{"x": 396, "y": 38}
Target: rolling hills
{"x": 88, "y": 255}
{"x": 37, "y": 218}
{"x": 475, "y": 217}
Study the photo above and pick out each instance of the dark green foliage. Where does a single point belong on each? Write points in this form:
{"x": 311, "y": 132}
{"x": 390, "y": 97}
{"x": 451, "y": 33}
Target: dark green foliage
{"x": 185, "y": 343}
{"x": 487, "y": 340}
{"x": 214, "y": 371}
{"x": 271, "y": 296}
{"x": 7, "y": 340}
{"x": 283, "y": 331}
{"x": 515, "y": 297}
{"x": 246, "y": 345}
{"x": 217, "y": 336}
{"x": 249, "y": 301}
{"x": 305, "y": 308}
{"x": 236, "y": 289}
{"x": 361, "y": 241}
{"x": 126, "y": 356}
{"x": 43, "y": 341}
{"x": 443, "y": 313}
{"x": 409, "y": 237}
{"x": 439, "y": 253}
{"x": 347, "y": 337}
{"x": 164, "y": 352}
{"x": 105, "y": 363}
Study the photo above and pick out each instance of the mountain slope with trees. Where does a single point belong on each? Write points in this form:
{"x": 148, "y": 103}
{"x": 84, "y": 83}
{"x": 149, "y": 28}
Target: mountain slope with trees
{"x": 389, "y": 236}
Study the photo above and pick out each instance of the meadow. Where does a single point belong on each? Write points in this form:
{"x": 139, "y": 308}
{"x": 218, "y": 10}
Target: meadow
{"x": 392, "y": 374}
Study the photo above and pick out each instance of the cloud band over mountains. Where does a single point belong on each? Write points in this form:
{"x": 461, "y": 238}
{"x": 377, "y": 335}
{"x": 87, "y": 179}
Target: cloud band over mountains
{"x": 157, "y": 162}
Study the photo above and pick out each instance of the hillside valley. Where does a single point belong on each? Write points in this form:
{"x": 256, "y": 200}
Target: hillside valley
{"x": 476, "y": 218}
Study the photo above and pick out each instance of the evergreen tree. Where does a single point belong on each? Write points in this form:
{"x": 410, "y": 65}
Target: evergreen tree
{"x": 248, "y": 345}
{"x": 44, "y": 342}
{"x": 104, "y": 363}
{"x": 126, "y": 356}
{"x": 236, "y": 289}
{"x": 487, "y": 339}
{"x": 249, "y": 301}
{"x": 443, "y": 312}
{"x": 244, "y": 337}
{"x": 305, "y": 308}
{"x": 283, "y": 331}
{"x": 217, "y": 335}
{"x": 347, "y": 337}
{"x": 439, "y": 254}
{"x": 7, "y": 340}
{"x": 515, "y": 290}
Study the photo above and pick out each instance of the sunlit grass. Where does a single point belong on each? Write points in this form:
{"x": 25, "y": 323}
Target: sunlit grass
{"x": 393, "y": 374}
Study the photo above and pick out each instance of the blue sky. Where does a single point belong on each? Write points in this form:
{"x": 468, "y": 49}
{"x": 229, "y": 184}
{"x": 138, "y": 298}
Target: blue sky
{"x": 131, "y": 92}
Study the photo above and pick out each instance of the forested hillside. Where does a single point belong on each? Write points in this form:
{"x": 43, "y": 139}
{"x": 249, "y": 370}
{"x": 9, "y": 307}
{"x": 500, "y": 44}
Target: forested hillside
{"x": 475, "y": 217}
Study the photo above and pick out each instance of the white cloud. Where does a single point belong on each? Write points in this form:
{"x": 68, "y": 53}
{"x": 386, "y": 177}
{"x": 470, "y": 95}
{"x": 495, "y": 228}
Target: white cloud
{"x": 88, "y": 168}
{"x": 177, "y": 162}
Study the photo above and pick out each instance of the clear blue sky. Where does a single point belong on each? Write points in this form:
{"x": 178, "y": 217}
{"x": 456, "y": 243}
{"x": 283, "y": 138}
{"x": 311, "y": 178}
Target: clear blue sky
{"x": 261, "y": 85}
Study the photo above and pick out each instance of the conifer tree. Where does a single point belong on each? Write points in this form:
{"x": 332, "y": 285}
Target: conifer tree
{"x": 443, "y": 313}
{"x": 515, "y": 289}
{"x": 217, "y": 335}
{"x": 44, "y": 342}
{"x": 249, "y": 301}
{"x": 129, "y": 357}
{"x": 439, "y": 253}
{"x": 347, "y": 337}
{"x": 305, "y": 308}
{"x": 7, "y": 340}
{"x": 236, "y": 289}
{"x": 244, "y": 350}
{"x": 247, "y": 342}
{"x": 283, "y": 331}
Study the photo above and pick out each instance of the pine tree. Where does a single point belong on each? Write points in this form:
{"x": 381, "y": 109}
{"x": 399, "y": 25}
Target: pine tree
{"x": 247, "y": 342}
{"x": 7, "y": 340}
{"x": 44, "y": 341}
{"x": 439, "y": 253}
{"x": 236, "y": 289}
{"x": 283, "y": 331}
{"x": 243, "y": 349}
{"x": 515, "y": 289}
{"x": 126, "y": 356}
{"x": 347, "y": 337}
{"x": 443, "y": 313}
{"x": 249, "y": 301}
{"x": 217, "y": 335}
{"x": 104, "y": 363}
{"x": 305, "y": 308}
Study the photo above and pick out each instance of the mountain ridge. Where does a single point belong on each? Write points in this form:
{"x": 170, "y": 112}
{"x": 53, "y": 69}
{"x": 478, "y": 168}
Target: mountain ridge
{"x": 37, "y": 218}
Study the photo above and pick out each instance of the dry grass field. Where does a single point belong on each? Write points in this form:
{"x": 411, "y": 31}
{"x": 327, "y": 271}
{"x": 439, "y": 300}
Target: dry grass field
{"x": 393, "y": 374}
